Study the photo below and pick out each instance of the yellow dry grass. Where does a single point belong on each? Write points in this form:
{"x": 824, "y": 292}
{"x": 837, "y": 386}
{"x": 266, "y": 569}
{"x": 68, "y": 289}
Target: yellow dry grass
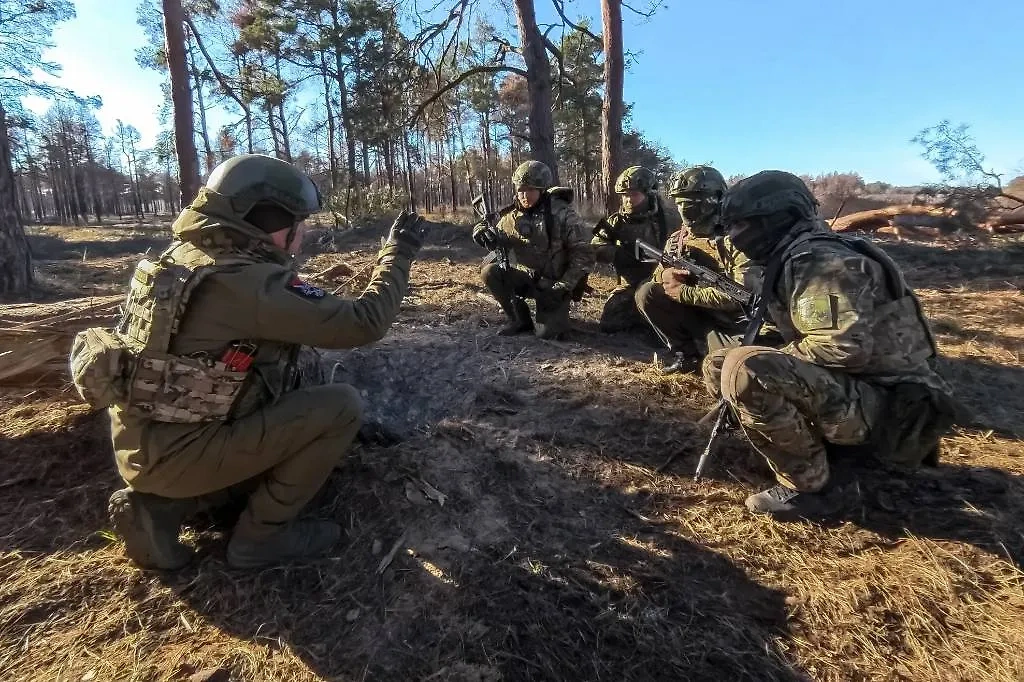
{"x": 561, "y": 552}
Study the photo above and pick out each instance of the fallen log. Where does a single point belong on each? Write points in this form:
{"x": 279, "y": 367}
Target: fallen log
{"x": 870, "y": 221}
{"x": 35, "y": 338}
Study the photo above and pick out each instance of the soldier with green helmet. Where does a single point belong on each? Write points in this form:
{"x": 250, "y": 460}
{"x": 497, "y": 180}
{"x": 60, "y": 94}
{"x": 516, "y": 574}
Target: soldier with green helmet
{"x": 859, "y": 365}
{"x": 549, "y": 255}
{"x": 692, "y": 319}
{"x": 208, "y": 403}
{"x": 643, "y": 215}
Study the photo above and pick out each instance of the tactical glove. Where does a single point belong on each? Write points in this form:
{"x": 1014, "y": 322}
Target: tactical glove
{"x": 408, "y": 229}
{"x": 484, "y": 236}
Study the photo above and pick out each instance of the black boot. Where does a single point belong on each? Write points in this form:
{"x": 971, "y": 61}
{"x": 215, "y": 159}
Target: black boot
{"x": 519, "y": 320}
{"x": 299, "y": 540}
{"x": 680, "y": 364}
{"x": 150, "y": 525}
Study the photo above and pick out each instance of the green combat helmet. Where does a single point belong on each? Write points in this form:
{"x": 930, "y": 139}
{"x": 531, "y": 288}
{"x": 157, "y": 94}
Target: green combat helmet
{"x": 758, "y": 211}
{"x": 532, "y": 174}
{"x": 698, "y": 194}
{"x": 697, "y": 183}
{"x": 636, "y": 179}
{"x": 251, "y": 179}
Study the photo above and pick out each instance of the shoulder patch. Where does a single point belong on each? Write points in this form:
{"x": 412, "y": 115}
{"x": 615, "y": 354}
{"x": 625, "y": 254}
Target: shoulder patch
{"x": 300, "y": 288}
{"x": 816, "y": 313}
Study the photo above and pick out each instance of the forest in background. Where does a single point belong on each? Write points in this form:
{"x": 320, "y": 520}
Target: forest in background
{"x": 384, "y": 104}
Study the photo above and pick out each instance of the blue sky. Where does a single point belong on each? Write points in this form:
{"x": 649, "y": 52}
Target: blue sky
{"x": 799, "y": 85}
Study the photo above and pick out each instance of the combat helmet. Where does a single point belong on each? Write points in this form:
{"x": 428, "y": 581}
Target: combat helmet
{"x": 636, "y": 179}
{"x": 250, "y": 179}
{"x": 767, "y": 193}
{"x": 759, "y": 211}
{"x": 532, "y": 174}
{"x": 698, "y": 195}
{"x": 697, "y": 182}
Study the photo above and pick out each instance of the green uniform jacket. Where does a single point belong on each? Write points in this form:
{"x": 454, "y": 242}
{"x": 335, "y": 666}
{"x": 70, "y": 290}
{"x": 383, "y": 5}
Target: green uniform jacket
{"x": 722, "y": 258}
{"x": 615, "y": 236}
{"x": 262, "y": 301}
{"x": 563, "y": 255}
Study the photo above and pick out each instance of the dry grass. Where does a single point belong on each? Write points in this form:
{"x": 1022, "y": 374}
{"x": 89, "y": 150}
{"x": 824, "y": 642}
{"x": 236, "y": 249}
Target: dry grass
{"x": 560, "y": 552}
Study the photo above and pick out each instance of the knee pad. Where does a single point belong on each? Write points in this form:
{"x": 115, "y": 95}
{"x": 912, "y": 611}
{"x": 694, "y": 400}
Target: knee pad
{"x": 740, "y": 369}
{"x": 711, "y": 369}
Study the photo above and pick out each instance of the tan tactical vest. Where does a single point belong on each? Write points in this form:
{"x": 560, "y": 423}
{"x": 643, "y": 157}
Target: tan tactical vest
{"x": 161, "y": 386}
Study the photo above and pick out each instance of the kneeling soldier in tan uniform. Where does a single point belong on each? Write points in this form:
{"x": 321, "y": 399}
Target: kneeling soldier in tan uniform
{"x": 210, "y": 398}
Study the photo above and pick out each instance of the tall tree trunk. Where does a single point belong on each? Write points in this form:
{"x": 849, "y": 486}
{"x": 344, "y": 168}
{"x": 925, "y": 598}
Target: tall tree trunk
{"x": 204, "y": 131}
{"x": 346, "y": 119}
{"x": 92, "y": 169}
{"x": 538, "y": 83}
{"x": 181, "y": 96}
{"x": 331, "y": 135}
{"x": 268, "y": 108}
{"x": 15, "y": 256}
{"x": 612, "y": 108}
{"x": 286, "y": 146}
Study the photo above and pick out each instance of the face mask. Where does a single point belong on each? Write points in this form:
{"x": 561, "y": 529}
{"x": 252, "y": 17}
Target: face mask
{"x": 752, "y": 240}
{"x": 697, "y": 215}
{"x": 756, "y": 238}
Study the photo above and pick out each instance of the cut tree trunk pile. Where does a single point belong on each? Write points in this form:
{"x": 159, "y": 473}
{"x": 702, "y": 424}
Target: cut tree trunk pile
{"x": 899, "y": 216}
{"x": 35, "y": 338}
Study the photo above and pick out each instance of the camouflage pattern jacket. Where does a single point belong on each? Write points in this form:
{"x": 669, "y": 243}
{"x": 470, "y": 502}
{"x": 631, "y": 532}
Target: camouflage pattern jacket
{"x": 548, "y": 240}
{"x": 717, "y": 254}
{"x": 841, "y": 302}
{"x": 615, "y": 236}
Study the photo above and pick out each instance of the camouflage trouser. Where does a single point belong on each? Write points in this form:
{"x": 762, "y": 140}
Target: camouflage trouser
{"x": 789, "y": 408}
{"x": 552, "y": 311}
{"x": 686, "y": 328}
{"x": 284, "y": 451}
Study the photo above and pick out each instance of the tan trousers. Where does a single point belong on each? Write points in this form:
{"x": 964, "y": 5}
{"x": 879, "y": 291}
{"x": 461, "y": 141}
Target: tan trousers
{"x": 289, "y": 448}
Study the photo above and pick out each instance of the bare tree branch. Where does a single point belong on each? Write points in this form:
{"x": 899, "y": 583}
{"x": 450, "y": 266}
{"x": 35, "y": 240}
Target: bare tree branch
{"x": 560, "y": 8}
{"x": 496, "y": 68}
{"x": 221, "y": 78}
{"x": 647, "y": 14}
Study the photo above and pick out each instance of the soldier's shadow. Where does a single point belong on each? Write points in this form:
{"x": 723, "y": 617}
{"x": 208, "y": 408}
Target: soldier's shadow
{"x": 979, "y": 506}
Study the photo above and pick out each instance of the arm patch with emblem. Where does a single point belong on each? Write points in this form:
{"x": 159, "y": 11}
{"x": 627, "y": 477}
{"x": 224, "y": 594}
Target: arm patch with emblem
{"x": 300, "y": 288}
{"x": 813, "y": 313}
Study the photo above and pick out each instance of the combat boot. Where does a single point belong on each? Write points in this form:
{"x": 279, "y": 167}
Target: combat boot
{"x": 787, "y": 504}
{"x": 680, "y": 364}
{"x": 303, "y": 539}
{"x": 519, "y": 321}
{"x": 149, "y": 525}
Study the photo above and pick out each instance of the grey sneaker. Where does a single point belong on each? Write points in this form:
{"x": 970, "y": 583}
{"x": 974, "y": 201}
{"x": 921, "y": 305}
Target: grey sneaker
{"x": 786, "y": 504}
{"x": 303, "y": 539}
{"x": 150, "y": 525}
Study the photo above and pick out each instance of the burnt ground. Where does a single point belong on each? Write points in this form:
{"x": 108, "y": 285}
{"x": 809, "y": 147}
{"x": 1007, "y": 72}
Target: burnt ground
{"x": 559, "y": 551}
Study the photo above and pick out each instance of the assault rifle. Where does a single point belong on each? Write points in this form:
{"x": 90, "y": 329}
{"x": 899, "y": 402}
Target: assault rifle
{"x": 705, "y": 276}
{"x": 484, "y": 212}
{"x": 722, "y": 411}
{"x": 754, "y": 305}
